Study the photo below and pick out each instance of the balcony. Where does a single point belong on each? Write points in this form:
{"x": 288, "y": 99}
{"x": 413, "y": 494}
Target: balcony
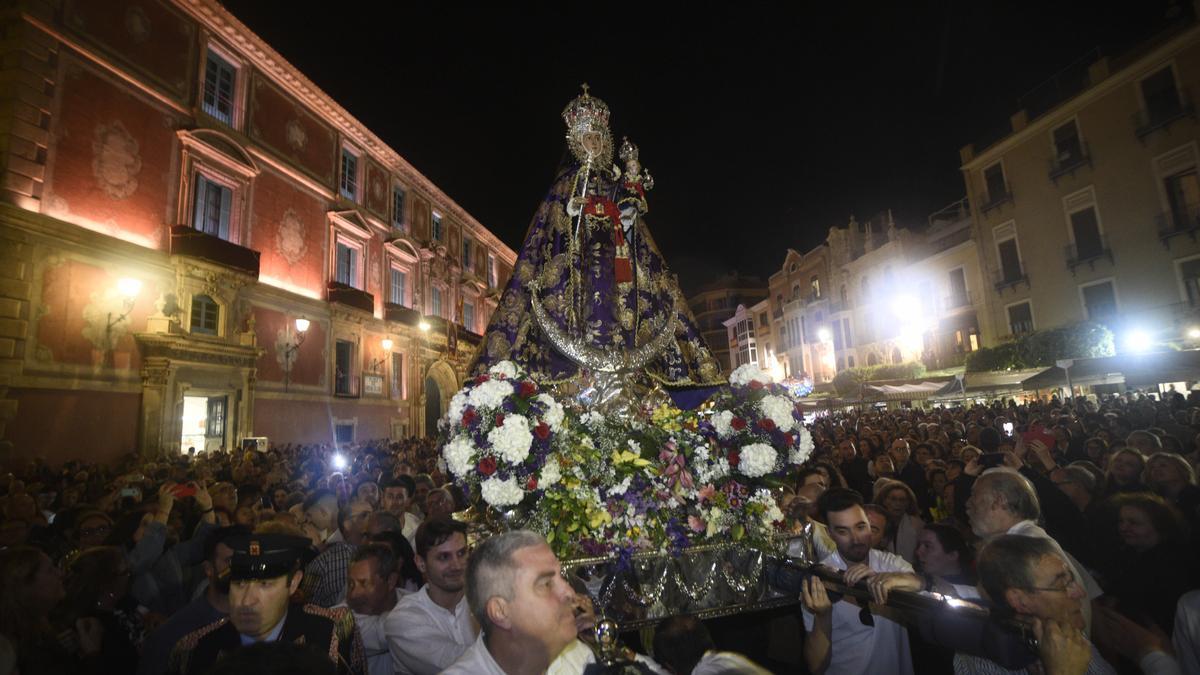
{"x": 1070, "y": 162}
{"x": 1161, "y": 116}
{"x": 350, "y": 297}
{"x": 957, "y": 301}
{"x": 836, "y": 306}
{"x": 1176, "y": 222}
{"x": 1004, "y": 280}
{"x": 401, "y": 314}
{"x": 192, "y": 243}
{"x": 1077, "y": 256}
{"x": 996, "y": 201}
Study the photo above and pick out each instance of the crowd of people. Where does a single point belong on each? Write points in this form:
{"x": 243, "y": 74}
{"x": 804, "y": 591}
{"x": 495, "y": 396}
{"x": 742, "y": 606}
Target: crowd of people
{"x": 1075, "y": 518}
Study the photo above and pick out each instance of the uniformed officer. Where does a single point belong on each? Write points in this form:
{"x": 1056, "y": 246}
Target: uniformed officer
{"x": 265, "y": 571}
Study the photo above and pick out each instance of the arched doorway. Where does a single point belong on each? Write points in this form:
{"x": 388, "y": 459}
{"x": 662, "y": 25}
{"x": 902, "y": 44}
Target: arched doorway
{"x": 441, "y": 383}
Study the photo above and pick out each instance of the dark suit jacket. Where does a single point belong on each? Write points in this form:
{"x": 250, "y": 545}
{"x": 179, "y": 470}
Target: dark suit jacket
{"x": 328, "y": 631}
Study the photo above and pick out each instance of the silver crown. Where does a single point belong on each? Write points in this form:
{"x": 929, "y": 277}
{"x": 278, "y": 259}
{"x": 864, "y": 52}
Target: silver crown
{"x": 585, "y": 115}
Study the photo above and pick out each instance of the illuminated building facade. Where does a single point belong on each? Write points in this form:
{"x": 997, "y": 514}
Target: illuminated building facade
{"x": 1089, "y": 208}
{"x": 198, "y": 246}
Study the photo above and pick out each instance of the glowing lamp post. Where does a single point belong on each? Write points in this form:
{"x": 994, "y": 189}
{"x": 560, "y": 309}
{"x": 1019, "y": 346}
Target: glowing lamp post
{"x": 290, "y": 347}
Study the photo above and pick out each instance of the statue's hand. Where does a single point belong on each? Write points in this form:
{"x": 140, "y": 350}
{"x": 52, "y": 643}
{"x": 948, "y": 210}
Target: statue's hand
{"x": 574, "y": 206}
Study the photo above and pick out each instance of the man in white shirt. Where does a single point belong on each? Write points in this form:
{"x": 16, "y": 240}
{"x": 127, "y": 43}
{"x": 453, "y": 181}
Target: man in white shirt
{"x": 372, "y": 595}
{"x": 1004, "y": 502}
{"x": 836, "y": 640}
{"x": 524, "y": 607}
{"x": 431, "y": 628}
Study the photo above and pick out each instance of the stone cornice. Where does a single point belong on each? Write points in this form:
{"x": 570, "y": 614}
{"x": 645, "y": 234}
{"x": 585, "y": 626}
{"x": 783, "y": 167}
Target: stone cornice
{"x": 219, "y": 21}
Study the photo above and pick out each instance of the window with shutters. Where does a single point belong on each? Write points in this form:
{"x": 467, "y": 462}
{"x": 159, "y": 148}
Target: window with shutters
{"x": 348, "y": 182}
{"x": 212, "y": 206}
{"x": 1099, "y": 300}
{"x": 398, "y": 390}
{"x": 435, "y": 301}
{"x": 206, "y": 315}
{"x": 437, "y": 231}
{"x": 345, "y": 373}
{"x": 1189, "y": 279}
{"x": 468, "y": 260}
{"x": 997, "y": 186}
{"x": 398, "y": 287}
{"x": 219, "y": 95}
{"x": 347, "y": 265}
{"x": 398, "y": 216}
{"x": 1020, "y": 318}
{"x": 469, "y": 316}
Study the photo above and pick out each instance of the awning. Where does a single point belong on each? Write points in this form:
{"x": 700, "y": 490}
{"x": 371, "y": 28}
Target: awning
{"x": 987, "y": 383}
{"x": 902, "y": 391}
{"x": 1130, "y": 369}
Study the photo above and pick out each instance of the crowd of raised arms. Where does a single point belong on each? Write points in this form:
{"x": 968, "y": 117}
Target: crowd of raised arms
{"x": 1078, "y": 518}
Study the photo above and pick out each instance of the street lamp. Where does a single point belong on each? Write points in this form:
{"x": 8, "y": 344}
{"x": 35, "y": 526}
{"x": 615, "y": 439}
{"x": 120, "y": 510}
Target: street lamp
{"x": 376, "y": 364}
{"x": 128, "y": 290}
{"x": 424, "y": 326}
{"x": 290, "y": 347}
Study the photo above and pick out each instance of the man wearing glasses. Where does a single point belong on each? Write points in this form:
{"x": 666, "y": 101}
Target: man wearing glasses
{"x": 1028, "y": 577}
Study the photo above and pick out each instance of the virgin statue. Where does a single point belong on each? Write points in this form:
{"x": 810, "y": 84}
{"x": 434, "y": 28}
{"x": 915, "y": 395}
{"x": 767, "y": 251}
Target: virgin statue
{"x": 591, "y": 298}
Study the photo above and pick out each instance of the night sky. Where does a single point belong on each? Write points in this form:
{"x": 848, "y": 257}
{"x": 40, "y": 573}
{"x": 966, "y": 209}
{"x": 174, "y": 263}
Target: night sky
{"x": 763, "y": 125}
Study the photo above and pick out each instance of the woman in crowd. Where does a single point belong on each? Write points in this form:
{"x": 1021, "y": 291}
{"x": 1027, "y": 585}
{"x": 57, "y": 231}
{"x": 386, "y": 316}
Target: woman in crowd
{"x": 97, "y": 590}
{"x": 903, "y": 523}
{"x": 1150, "y": 570}
{"x": 943, "y": 553}
{"x": 1124, "y": 472}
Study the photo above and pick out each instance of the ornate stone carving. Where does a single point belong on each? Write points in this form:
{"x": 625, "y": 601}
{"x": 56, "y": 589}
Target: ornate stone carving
{"x": 116, "y": 161}
{"x": 289, "y": 238}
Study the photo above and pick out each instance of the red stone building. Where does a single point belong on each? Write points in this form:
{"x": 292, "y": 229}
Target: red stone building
{"x": 174, "y": 197}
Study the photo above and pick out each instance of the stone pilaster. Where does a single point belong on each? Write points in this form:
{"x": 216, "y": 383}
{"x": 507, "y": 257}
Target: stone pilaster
{"x": 158, "y": 406}
{"x": 28, "y": 74}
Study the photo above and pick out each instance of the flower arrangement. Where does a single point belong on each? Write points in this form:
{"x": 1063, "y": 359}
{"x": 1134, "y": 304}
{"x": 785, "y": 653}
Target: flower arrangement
{"x": 596, "y": 485}
{"x": 501, "y": 431}
{"x": 755, "y": 435}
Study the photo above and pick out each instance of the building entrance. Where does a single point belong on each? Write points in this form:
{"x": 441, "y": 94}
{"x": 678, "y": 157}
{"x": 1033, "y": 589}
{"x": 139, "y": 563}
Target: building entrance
{"x": 203, "y": 423}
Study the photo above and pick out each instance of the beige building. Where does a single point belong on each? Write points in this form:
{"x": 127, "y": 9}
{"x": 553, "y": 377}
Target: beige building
{"x": 714, "y": 302}
{"x": 1090, "y": 207}
{"x": 748, "y": 338}
{"x": 799, "y": 297}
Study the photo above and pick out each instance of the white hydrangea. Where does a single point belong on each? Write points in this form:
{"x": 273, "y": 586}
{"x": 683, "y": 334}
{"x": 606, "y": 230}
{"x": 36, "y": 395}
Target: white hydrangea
{"x": 800, "y": 453}
{"x": 551, "y": 473}
{"x": 458, "y": 454}
{"x": 592, "y": 419}
{"x": 745, "y": 373}
{"x": 721, "y": 422}
{"x": 778, "y": 409}
{"x": 757, "y": 459}
{"x": 512, "y": 440}
{"x": 490, "y": 394}
{"x": 458, "y": 404}
{"x": 773, "y": 514}
{"x": 554, "y": 411}
{"x": 504, "y": 369}
{"x": 501, "y": 492}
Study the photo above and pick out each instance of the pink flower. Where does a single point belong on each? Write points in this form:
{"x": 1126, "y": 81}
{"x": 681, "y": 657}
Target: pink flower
{"x": 706, "y": 493}
{"x": 756, "y": 385}
{"x": 697, "y": 524}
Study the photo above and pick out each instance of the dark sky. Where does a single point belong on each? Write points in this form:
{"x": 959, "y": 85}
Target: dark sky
{"x": 763, "y": 124}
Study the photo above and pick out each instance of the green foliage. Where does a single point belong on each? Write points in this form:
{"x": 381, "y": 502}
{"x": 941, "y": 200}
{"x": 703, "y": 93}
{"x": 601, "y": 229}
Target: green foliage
{"x": 1043, "y": 348}
{"x": 848, "y": 381}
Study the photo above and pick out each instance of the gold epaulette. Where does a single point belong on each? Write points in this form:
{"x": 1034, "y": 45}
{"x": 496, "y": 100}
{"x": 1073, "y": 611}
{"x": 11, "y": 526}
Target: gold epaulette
{"x": 177, "y": 660}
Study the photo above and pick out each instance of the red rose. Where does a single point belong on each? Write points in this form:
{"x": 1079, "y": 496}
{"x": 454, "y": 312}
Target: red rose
{"x": 482, "y": 378}
{"x": 527, "y": 389}
{"x": 487, "y": 466}
{"x": 532, "y": 484}
{"x": 499, "y": 419}
{"x": 767, "y": 424}
{"x": 756, "y": 385}
{"x": 469, "y": 416}
{"x": 542, "y": 430}
{"x": 734, "y": 459}
{"x": 737, "y": 423}
{"x": 788, "y": 439}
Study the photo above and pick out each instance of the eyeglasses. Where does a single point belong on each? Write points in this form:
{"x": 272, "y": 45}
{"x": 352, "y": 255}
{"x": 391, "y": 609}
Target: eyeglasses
{"x": 1066, "y": 588}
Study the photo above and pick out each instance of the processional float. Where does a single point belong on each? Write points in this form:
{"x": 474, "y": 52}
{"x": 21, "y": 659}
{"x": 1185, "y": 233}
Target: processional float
{"x": 568, "y": 426}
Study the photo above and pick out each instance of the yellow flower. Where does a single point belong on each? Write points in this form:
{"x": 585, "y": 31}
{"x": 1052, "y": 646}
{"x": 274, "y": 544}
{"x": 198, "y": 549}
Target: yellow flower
{"x": 628, "y": 457}
{"x": 598, "y": 518}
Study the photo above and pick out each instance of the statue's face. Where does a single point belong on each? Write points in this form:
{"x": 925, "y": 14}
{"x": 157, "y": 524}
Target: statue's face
{"x": 592, "y": 142}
